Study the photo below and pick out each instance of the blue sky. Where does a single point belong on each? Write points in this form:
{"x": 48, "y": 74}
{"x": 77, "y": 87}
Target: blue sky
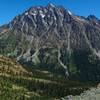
{"x": 10, "y": 8}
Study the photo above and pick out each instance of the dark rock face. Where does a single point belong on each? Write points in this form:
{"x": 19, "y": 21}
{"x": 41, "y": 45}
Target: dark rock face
{"x": 59, "y": 25}
{"x": 50, "y": 35}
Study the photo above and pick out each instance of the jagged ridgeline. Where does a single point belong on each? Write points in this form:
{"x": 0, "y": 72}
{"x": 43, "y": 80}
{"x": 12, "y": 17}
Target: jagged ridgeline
{"x": 52, "y": 38}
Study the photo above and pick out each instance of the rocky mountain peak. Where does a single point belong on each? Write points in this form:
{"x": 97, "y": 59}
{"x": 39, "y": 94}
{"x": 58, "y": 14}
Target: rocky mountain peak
{"x": 51, "y": 5}
{"x": 44, "y": 23}
{"x": 92, "y": 17}
{"x": 43, "y": 17}
{"x": 49, "y": 35}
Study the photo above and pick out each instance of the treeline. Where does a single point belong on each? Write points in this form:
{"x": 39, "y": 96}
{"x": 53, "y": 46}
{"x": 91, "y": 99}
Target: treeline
{"x": 49, "y": 89}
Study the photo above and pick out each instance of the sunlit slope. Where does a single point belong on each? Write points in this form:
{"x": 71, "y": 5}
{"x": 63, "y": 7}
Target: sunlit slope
{"x": 9, "y": 66}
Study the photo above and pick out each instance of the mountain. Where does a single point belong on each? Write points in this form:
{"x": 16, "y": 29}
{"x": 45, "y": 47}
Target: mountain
{"x": 54, "y": 39}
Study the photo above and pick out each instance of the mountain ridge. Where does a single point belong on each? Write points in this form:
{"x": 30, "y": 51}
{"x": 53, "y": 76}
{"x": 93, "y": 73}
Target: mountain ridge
{"x": 54, "y": 37}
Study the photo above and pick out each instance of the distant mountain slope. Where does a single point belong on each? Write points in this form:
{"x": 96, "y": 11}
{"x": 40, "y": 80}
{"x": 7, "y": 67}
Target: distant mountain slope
{"x": 54, "y": 39}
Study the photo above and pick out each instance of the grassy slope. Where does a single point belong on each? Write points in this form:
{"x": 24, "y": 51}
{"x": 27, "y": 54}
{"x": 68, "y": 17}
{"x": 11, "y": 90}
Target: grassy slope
{"x": 16, "y": 83}
{"x": 9, "y": 66}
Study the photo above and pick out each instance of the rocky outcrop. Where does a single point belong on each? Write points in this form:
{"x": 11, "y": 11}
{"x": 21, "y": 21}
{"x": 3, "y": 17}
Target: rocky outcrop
{"x": 92, "y": 94}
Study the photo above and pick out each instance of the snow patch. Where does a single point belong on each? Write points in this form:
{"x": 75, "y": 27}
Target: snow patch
{"x": 42, "y": 15}
{"x": 26, "y": 13}
{"x": 69, "y": 12}
{"x": 34, "y": 14}
{"x": 52, "y": 5}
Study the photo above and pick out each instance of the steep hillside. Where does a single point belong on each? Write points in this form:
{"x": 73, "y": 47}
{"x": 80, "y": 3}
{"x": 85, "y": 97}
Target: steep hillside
{"x": 23, "y": 83}
{"x": 11, "y": 67}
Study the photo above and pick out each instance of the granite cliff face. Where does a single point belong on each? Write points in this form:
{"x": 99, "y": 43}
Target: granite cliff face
{"x": 55, "y": 38}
